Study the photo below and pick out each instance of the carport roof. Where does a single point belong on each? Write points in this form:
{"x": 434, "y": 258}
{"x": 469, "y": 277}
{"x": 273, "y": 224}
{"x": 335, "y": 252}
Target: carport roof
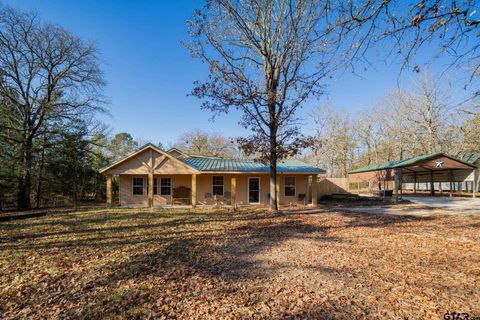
{"x": 470, "y": 157}
{"x": 408, "y": 162}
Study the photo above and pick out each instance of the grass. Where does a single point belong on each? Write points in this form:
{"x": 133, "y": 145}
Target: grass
{"x": 142, "y": 263}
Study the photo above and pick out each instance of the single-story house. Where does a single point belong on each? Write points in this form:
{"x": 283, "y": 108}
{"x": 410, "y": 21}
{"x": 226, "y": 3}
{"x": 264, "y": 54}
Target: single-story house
{"x": 153, "y": 177}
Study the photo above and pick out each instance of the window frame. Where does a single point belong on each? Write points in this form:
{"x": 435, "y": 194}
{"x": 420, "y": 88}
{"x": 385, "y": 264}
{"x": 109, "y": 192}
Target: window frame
{"x": 218, "y": 185}
{"x": 166, "y": 186}
{"x": 136, "y": 186}
{"x": 294, "y": 185}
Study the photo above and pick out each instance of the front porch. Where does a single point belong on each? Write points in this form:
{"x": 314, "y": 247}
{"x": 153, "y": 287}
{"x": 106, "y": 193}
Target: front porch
{"x": 152, "y": 177}
{"x": 228, "y": 190}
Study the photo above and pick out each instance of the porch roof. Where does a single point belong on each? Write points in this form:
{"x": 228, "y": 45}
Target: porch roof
{"x": 247, "y": 165}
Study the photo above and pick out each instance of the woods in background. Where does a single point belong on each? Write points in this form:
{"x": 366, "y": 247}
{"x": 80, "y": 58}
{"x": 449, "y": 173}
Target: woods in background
{"x": 208, "y": 144}
{"x": 266, "y": 59}
{"x": 407, "y": 123}
{"x": 51, "y": 86}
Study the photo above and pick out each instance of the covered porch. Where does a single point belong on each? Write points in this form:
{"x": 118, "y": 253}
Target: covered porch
{"x": 152, "y": 177}
{"x": 210, "y": 189}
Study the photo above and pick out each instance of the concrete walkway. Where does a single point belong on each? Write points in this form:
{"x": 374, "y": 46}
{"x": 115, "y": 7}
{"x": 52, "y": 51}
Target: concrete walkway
{"x": 449, "y": 203}
{"x": 432, "y": 206}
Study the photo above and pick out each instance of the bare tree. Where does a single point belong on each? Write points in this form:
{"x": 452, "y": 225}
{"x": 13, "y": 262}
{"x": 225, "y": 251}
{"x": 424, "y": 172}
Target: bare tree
{"x": 471, "y": 134}
{"x": 369, "y": 134}
{"x": 409, "y": 123}
{"x": 334, "y": 143}
{"x": 207, "y": 144}
{"x": 427, "y": 110}
{"x": 266, "y": 57}
{"x": 403, "y": 29}
{"x": 47, "y": 75}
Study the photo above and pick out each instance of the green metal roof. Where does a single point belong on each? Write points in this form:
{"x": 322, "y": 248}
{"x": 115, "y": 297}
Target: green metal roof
{"x": 470, "y": 157}
{"x": 247, "y": 165}
{"x": 208, "y": 163}
{"x": 375, "y": 167}
{"x": 405, "y": 162}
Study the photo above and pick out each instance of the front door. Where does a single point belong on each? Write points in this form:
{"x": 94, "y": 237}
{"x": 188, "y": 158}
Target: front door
{"x": 253, "y": 190}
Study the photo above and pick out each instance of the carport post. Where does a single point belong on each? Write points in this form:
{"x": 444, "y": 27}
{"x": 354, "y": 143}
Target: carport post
{"x": 396, "y": 184}
{"x": 432, "y": 186}
{"x": 475, "y": 183}
{"x": 451, "y": 181}
{"x": 414, "y": 183}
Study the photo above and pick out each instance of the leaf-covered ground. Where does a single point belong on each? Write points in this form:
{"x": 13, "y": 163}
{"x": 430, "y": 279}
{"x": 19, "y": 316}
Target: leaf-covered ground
{"x": 141, "y": 263}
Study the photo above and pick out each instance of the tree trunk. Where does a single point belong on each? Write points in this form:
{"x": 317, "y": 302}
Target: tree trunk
{"x": 38, "y": 197}
{"x": 273, "y": 170}
{"x": 25, "y": 179}
{"x": 75, "y": 187}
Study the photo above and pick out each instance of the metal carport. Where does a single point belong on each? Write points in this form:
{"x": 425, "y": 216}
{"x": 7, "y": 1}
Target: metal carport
{"x": 437, "y": 167}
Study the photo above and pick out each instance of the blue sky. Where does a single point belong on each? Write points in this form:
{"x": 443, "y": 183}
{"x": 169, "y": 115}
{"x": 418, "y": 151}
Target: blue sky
{"x": 150, "y": 73}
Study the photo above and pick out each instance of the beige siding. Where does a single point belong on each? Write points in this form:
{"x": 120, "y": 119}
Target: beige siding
{"x": 141, "y": 164}
{"x": 204, "y": 186}
{"x": 127, "y": 198}
{"x": 177, "y": 181}
{"x": 301, "y": 187}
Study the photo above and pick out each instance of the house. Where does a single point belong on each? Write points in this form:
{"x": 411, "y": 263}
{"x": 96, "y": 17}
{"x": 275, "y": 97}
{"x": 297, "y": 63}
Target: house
{"x": 153, "y": 177}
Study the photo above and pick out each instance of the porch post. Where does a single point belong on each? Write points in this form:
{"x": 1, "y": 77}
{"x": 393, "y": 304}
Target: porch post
{"x": 150, "y": 189}
{"x": 194, "y": 190}
{"x": 109, "y": 190}
{"x": 314, "y": 191}
{"x": 233, "y": 187}
{"x": 277, "y": 190}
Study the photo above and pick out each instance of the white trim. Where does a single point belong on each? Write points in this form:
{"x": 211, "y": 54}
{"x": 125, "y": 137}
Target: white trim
{"x": 259, "y": 190}
{"x": 295, "y": 185}
{"x": 223, "y": 186}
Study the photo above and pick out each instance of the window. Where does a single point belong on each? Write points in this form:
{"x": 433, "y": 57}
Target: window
{"x": 137, "y": 186}
{"x": 155, "y": 187}
{"x": 165, "y": 186}
{"x": 217, "y": 185}
{"x": 289, "y": 186}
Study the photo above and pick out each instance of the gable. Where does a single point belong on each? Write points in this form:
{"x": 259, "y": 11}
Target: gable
{"x": 142, "y": 162}
{"x": 440, "y": 163}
